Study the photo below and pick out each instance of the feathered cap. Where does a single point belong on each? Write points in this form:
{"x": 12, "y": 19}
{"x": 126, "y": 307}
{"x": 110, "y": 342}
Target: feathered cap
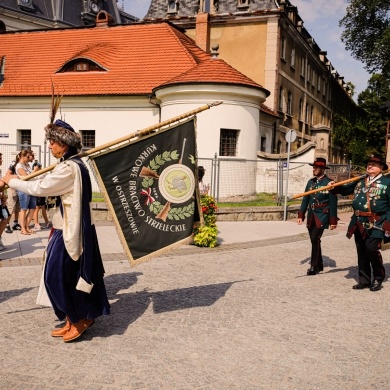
{"x": 64, "y": 134}
{"x": 60, "y": 131}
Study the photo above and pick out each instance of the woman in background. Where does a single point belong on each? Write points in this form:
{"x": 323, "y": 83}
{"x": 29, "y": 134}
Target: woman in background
{"x": 27, "y": 202}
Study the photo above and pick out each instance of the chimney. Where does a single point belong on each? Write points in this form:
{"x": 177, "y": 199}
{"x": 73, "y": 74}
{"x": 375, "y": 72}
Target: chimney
{"x": 202, "y": 35}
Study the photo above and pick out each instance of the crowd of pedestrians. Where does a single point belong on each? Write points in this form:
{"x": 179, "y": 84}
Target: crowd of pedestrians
{"x": 20, "y": 208}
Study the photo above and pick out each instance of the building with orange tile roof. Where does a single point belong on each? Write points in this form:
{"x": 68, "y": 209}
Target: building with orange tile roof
{"x": 116, "y": 80}
{"x": 267, "y": 41}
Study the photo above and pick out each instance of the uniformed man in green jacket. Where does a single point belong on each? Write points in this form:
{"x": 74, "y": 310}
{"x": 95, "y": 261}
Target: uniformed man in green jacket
{"x": 322, "y": 213}
{"x": 370, "y": 221}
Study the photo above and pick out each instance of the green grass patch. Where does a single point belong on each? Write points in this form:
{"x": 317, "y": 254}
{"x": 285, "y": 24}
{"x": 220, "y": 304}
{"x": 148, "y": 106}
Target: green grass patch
{"x": 261, "y": 199}
{"x": 97, "y": 197}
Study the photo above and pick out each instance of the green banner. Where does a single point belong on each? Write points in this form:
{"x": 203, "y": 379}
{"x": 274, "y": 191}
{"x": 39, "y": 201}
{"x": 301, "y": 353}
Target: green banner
{"x": 150, "y": 186}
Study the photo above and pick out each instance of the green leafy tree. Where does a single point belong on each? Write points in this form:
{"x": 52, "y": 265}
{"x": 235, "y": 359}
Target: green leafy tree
{"x": 349, "y": 125}
{"x": 367, "y": 33}
{"x": 351, "y": 88}
{"x": 371, "y": 99}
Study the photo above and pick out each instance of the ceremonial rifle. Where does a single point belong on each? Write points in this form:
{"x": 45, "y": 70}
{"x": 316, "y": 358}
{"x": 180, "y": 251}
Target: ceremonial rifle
{"x": 330, "y": 187}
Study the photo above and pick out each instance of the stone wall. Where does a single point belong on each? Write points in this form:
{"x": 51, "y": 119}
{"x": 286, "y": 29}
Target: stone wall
{"x": 271, "y": 213}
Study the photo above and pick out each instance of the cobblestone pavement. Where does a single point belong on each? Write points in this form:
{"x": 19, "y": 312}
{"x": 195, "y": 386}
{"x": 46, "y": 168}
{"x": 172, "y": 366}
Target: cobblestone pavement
{"x": 240, "y": 316}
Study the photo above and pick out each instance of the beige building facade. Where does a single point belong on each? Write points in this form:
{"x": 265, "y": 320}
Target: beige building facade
{"x": 267, "y": 42}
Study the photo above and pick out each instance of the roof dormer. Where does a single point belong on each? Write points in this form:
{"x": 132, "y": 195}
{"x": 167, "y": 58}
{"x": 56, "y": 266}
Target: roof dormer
{"x": 81, "y": 65}
{"x": 26, "y": 5}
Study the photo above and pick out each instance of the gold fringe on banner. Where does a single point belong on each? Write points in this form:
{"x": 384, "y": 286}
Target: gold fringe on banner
{"x": 160, "y": 252}
{"x": 124, "y": 141}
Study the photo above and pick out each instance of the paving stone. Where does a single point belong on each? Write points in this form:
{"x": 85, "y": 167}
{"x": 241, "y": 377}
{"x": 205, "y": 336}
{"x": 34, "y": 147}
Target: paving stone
{"x": 243, "y": 316}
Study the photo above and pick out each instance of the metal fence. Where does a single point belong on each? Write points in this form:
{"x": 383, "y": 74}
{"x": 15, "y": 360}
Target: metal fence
{"x": 10, "y": 151}
{"x": 232, "y": 180}
{"x": 44, "y": 157}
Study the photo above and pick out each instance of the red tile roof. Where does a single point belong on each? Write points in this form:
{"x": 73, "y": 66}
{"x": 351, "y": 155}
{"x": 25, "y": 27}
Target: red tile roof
{"x": 137, "y": 58}
{"x": 268, "y": 110}
{"x": 213, "y": 71}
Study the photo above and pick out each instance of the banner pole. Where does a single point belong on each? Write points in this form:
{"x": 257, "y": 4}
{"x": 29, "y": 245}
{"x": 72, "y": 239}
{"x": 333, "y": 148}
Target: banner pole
{"x": 129, "y": 137}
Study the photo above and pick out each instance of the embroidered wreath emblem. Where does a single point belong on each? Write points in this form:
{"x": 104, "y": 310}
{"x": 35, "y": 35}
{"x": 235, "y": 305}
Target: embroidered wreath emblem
{"x": 176, "y": 185}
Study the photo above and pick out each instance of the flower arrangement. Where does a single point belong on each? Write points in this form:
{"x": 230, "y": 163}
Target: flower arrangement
{"x": 206, "y": 235}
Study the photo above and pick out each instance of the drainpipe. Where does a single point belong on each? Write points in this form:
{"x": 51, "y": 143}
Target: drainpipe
{"x": 2, "y": 69}
{"x": 156, "y": 102}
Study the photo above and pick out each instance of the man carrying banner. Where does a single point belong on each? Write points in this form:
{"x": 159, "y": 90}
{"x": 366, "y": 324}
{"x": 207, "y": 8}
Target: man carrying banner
{"x": 73, "y": 271}
{"x": 370, "y": 221}
{"x": 322, "y": 212}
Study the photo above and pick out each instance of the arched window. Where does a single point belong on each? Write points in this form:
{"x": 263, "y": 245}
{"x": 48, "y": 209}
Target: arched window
{"x": 289, "y": 103}
{"x": 283, "y": 49}
{"x": 281, "y": 99}
{"x": 242, "y": 3}
{"x": 205, "y": 6}
{"x": 279, "y": 150}
{"x": 292, "y": 64}
{"x": 300, "y": 110}
{"x": 173, "y": 6}
{"x": 307, "y": 113}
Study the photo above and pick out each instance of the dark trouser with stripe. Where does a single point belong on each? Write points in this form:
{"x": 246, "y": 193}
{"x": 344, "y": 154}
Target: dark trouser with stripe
{"x": 369, "y": 256}
{"x": 315, "y": 234}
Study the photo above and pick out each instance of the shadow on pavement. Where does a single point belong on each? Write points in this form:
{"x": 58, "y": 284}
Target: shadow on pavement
{"x": 22, "y": 247}
{"x": 5, "y": 295}
{"x": 186, "y": 298}
{"x": 328, "y": 262}
{"x": 115, "y": 283}
{"x": 126, "y": 308}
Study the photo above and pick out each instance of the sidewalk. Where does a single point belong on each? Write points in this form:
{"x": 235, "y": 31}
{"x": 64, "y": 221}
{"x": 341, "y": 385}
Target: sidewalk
{"x": 28, "y": 250}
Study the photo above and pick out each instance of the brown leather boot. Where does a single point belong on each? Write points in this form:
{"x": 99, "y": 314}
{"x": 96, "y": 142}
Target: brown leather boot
{"x": 76, "y": 330}
{"x": 61, "y": 331}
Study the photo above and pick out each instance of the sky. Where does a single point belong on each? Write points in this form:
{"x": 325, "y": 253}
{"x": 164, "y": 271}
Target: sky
{"x": 321, "y": 19}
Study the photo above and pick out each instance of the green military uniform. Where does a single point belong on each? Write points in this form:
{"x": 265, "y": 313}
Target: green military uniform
{"x": 322, "y": 212}
{"x": 322, "y": 205}
{"x": 371, "y": 217}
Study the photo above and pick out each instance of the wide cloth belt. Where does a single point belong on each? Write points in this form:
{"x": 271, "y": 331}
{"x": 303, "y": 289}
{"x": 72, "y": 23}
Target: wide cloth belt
{"x": 318, "y": 205}
{"x": 375, "y": 216}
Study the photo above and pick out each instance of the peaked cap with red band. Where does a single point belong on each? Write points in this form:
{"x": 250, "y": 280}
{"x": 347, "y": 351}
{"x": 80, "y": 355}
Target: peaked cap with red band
{"x": 319, "y": 162}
